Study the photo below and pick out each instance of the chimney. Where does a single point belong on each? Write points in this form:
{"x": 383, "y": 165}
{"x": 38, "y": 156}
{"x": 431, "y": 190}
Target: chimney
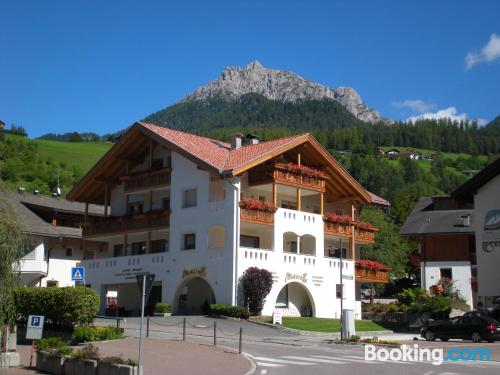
{"x": 253, "y": 139}
{"x": 236, "y": 141}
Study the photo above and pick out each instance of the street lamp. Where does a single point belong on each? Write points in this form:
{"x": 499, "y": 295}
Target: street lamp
{"x": 341, "y": 288}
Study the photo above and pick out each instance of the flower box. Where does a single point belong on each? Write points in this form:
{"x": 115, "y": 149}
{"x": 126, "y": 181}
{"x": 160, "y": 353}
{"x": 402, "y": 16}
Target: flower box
{"x": 73, "y": 366}
{"x": 47, "y": 362}
{"x": 105, "y": 368}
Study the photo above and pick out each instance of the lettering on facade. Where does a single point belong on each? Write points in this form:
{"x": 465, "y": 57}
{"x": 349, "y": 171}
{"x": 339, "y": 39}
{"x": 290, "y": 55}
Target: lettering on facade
{"x": 201, "y": 271}
{"x": 296, "y": 276}
{"x": 130, "y": 273}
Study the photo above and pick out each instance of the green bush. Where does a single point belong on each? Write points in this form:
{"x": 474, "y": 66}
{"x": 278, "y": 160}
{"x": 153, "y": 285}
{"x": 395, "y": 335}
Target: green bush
{"x": 54, "y": 346}
{"x": 417, "y": 300}
{"x": 91, "y": 333}
{"x": 117, "y": 360}
{"x": 87, "y": 352}
{"x": 228, "y": 310}
{"x": 163, "y": 308}
{"x": 62, "y": 307}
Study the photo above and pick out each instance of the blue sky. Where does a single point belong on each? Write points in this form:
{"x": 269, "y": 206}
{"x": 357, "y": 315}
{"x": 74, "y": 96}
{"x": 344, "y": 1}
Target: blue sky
{"x": 100, "y": 65}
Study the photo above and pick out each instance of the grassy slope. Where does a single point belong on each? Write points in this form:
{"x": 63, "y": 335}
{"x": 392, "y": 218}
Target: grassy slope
{"x": 81, "y": 154}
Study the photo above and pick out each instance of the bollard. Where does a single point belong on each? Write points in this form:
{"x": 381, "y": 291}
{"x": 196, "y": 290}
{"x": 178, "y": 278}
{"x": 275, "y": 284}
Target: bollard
{"x": 147, "y": 326}
{"x": 215, "y": 333}
{"x": 118, "y": 323}
{"x": 184, "y": 330}
{"x": 241, "y": 337}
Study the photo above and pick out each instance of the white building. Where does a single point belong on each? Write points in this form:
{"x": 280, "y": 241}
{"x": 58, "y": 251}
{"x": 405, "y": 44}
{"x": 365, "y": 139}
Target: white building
{"x": 197, "y": 213}
{"x": 52, "y": 227}
{"x": 483, "y": 190}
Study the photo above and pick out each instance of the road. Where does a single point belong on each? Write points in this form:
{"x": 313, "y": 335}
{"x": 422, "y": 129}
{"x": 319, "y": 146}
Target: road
{"x": 277, "y": 352}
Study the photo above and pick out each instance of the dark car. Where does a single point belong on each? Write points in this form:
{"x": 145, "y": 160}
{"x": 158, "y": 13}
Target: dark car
{"x": 475, "y": 328}
{"x": 490, "y": 313}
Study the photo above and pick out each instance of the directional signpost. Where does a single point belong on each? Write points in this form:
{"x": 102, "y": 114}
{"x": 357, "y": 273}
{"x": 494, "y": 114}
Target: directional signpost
{"x": 78, "y": 275}
{"x": 145, "y": 283}
{"x": 34, "y": 331}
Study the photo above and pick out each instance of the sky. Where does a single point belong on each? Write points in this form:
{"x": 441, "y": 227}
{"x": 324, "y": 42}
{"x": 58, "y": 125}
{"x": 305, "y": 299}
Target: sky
{"x": 98, "y": 66}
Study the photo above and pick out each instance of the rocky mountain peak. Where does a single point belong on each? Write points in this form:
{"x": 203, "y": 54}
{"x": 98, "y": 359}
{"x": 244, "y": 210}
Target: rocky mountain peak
{"x": 280, "y": 85}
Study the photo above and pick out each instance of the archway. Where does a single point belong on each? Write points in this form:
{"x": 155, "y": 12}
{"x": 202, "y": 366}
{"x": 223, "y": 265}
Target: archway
{"x": 295, "y": 300}
{"x": 193, "y": 297}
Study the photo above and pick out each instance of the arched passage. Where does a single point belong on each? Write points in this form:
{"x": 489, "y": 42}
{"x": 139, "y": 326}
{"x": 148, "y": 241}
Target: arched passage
{"x": 193, "y": 297}
{"x": 296, "y": 300}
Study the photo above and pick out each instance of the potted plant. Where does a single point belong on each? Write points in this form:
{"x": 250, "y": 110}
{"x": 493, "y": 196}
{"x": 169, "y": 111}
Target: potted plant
{"x": 51, "y": 354}
{"x": 116, "y": 366}
{"x": 163, "y": 309}
{"x": 83, "y": 361}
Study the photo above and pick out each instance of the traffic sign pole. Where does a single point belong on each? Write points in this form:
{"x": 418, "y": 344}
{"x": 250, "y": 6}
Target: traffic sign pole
{"x": 139, "y": 369}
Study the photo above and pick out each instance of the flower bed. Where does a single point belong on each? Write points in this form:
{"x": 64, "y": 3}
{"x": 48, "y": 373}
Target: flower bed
{"x": 371, "y": 265}
{"x": 257, "y": 205}
{"x": 306, "y": 171}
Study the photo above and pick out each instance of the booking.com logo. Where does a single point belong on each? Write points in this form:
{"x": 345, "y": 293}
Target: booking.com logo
{"x": 436, "y": 356}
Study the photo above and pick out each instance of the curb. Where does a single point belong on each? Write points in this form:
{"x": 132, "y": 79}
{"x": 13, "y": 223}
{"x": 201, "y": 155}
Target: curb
{"x": 253, "y": 365}
{"x": 312, "y": 333}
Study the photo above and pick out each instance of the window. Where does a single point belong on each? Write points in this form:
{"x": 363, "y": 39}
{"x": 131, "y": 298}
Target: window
{"x": 118, "y": 250}
{"x": 289, "y": 204}
{"x": 249, "y": 241}
{"x": 293, "y": 247}
{"x": 446, "y": 273}
{"x": 158, "y": 246}
{"x": 89, "y": 254}
{"x": 157, "y": 164}
{"x": 138, "y": 248}
{"x": 52, "y": 283}
{"x": 189, "y": 241}
{"x": 168, "y": 161}
{"x": 282, "y": 300}
{"x": 339, "y": 212}
{"x": 69, "y": 252}
{"x": 136, "y": 208}
{"x": 165, "y": 203}
{"x": 189, "y": 198}
{"x": 338, "y": 288}
{"x": 216, "y": 237}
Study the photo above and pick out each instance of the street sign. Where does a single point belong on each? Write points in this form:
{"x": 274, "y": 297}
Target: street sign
{"x": 347, "y": 277}
{"x": 77, "y": 274}
{"x": 35, "y": 327}
{"x": 149, "y": 283}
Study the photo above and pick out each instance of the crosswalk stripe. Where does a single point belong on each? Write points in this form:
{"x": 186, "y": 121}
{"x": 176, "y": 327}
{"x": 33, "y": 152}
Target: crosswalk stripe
{"x": 287, "y": 362}
{"x": 263, "y": 364}
{"x": 317, "y": 360}
{"x": 348, "y": 359}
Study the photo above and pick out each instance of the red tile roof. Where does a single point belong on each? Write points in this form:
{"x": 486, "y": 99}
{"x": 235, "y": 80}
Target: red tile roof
{"x": 378, "y": 200}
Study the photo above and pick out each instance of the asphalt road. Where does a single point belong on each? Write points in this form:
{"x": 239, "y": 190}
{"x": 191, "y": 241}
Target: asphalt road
{"x": 276, "y": 352}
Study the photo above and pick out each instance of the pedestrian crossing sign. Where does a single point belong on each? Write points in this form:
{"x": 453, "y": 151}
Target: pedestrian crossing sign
{"x": 77, "y": 274}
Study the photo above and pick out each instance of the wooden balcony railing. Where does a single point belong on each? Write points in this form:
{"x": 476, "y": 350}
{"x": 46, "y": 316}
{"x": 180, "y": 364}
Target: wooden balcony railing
{"x": 255, "y": 211}
{"x": 288, "y": 174}
{"x": 148, "y": 179}
{"x": 364, "y": 275}
{"x": 338, "y": 229}
{"x": 147, "y": 221}
{"x": 364, "y": 233}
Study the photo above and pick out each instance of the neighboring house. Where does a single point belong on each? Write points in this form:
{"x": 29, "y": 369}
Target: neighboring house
{"x": 444, "y": 230}
{"x": 413, "y": 155}
{"x": 197, "y": 213}
{"x": 483, "y": 191}
{"x": 430, "y": 157}
{"x": 380, "y": 151}
{"x": 2, "y": 124}
{"x": 392, "y": 153}
{"x": 52, "y": 226}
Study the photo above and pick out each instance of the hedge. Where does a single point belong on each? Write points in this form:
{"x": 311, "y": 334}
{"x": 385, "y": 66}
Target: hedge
{"x": 62, "y": 307}
{"x": 164, "y": 308}
{"x": 228, "y": 310}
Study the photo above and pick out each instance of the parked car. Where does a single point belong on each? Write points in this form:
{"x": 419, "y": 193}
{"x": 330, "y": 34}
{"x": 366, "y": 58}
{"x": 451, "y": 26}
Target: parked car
{"x": 475, "y": 328}
{"x": 491, "y": 313}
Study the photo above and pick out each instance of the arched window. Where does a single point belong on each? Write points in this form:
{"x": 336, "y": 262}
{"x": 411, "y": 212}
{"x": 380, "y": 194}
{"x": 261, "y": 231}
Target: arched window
{"x": 308, "y": 244}
{"x": 290, "y": 242}
{"x": 216, "y": 237}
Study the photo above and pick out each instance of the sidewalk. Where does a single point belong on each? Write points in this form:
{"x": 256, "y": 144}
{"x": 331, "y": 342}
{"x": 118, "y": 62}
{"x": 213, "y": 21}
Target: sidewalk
{"x": 164, "y": 357}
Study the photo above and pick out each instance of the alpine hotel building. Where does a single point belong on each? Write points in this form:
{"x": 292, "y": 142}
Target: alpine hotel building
{"x": 198, "y": 212}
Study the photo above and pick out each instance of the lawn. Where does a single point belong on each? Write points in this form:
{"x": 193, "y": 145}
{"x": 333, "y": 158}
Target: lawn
{"x": 322, "y": 325}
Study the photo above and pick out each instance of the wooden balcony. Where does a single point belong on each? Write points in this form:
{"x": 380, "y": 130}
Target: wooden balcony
{"x": 364, "y": 233}
{"x": 338, "y": 229}
{"x": 288, "y": 174}
{"x": 365, "y": 275}
{"x": 146, "y": 180}
{"x": 123, "y": 224}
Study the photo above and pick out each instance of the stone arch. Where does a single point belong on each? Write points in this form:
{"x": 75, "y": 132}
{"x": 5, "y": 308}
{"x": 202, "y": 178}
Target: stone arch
{"x": 193, "y": 296}
{"x": 216, "y": 237}
{"x": 296, "y": 300}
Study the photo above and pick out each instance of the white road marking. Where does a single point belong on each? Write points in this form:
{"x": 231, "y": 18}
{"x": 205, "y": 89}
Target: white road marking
{"x": 263, "y": 364}
{"x": 287, "y": 362}
{"x": 317, "y": 360}
{"x": 348, "y": 359}
{"x": 263, "y": 372}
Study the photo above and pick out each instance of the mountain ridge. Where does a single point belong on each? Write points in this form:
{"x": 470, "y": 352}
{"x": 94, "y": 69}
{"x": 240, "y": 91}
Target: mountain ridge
{"x": 281, "y": 85}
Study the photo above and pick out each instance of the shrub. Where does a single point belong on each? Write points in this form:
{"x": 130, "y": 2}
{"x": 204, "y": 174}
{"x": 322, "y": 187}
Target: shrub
{"x": 228, "y": 310}
{"x": 255, "y": 284}
{"x": 163, "y": 308}
{"x": 87, "y": 352}
{"x": 91, "y": 333}
{"x": 55, "y": 346}
{"x": 62, "y": 307}
{"x": 117, "y": 360}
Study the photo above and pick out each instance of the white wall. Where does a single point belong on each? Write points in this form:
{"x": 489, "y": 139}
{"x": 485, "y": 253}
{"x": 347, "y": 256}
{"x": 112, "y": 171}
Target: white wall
{"x": 488, "y": 262}
{"x": 461, "y": 275}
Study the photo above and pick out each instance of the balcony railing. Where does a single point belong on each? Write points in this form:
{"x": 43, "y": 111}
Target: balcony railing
{"x": 145, "y": 180}
{"x": 254, "y": 211}
{"x": 288, "y": 174}
{"x": 364, "y": 233}
{"x": 369, "y": 271}
{"x": 338, "y": 229}
{"x": 147, "y": 221}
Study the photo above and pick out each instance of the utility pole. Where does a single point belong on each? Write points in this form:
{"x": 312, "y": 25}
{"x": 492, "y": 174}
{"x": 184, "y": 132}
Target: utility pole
{"x": 139, "y": 369}
{"x": 341, "y": 293}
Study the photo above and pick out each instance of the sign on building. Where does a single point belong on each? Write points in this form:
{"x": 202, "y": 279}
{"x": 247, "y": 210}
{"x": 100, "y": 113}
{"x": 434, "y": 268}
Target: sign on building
{"x": 34, "y": 330}
{"x": 78, "y": 274}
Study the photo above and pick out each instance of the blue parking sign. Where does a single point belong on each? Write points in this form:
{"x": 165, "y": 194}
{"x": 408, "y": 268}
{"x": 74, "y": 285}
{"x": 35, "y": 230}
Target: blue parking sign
{"x": 77, "y": 274}
{"x": 35, "y": 321}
